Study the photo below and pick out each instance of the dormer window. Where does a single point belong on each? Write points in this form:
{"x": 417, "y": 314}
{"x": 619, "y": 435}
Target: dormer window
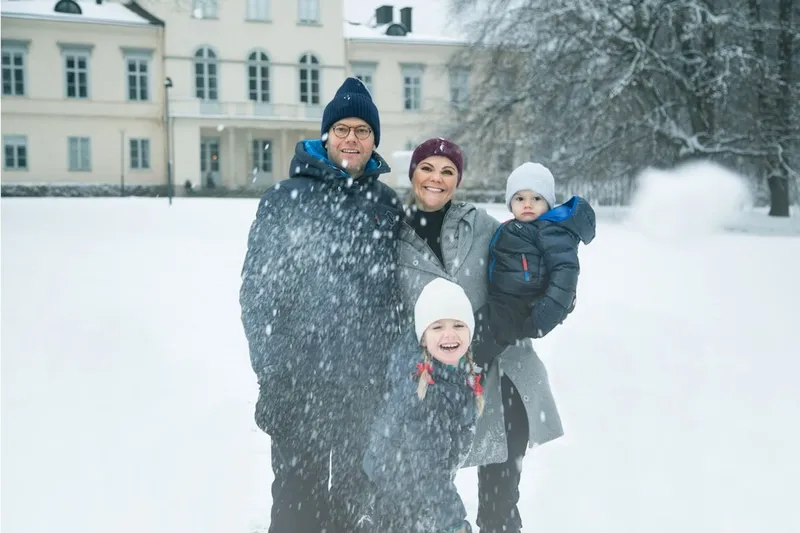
{"x": 67, "y": 6}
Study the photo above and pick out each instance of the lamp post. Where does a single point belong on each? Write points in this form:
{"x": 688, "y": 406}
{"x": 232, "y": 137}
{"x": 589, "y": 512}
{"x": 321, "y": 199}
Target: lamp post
{"x": 167, "y": 87}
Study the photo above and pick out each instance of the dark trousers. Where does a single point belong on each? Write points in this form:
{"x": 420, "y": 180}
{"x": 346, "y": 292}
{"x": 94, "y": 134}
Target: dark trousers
{"x": 324, "y": 452}
{"x": 498, "y": 484}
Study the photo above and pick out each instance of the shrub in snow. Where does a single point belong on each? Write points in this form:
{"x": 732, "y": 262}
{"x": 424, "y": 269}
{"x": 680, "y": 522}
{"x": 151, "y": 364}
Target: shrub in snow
{"x": 690, "y": 200}
{"x": 81, "y": 191}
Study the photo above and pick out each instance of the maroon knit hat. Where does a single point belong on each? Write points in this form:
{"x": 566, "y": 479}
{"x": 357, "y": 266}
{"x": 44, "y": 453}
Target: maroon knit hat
{"x": 438, "y": 146}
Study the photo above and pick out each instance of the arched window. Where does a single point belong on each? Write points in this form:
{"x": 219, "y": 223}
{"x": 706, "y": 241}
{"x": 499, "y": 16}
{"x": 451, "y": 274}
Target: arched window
{"x": 205, "y": 74}
{"x": 68, "y": 6}
{"x": 258, "y": 76}
{"x": 309, "y": 79}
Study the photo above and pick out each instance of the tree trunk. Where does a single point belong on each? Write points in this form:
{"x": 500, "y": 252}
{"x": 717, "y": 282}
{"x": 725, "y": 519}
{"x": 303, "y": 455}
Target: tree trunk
{"x": 779, "y": 184}
{"x": 779, "y": 196}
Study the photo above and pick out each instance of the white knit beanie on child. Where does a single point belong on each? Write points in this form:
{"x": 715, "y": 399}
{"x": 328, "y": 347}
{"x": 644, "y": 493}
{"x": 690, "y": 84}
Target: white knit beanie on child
{"x": 533, "y": 177}
{"x": 442, "y": 299}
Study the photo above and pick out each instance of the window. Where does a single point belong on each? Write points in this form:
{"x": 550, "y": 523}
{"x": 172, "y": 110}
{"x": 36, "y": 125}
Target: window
{"x": 309, "y": 80}
{"x": 204, "y": 9}
{"x": 459, "y": 87}
{"x": 257, "y": 9}
{"x": 366, "y": 73}
{"x": 79, "y": 150}
{"x": 262, "y": 155}
{"x": 308, "y": 11}
{"x": 15, "y": 152}
{"x": 14, "y": 54}
{"x": 67, "y": 6}
{"x": 258, "y": 76}
{"x": 140, "y": 154}
{"x": 205, "y": 74}
{"x": 76, "y": 68}
{"x": 138, "y": 68}
{"x": 412, "y": 88}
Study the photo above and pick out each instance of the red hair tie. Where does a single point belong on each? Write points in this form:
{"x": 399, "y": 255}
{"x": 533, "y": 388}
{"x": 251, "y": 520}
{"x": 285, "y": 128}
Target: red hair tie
{"x": 422, "y": 367}
{"x": 477, "y": 388}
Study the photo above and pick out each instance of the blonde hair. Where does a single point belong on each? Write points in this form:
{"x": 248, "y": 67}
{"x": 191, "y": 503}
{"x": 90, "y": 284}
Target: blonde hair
{"x": 423, "y": 375}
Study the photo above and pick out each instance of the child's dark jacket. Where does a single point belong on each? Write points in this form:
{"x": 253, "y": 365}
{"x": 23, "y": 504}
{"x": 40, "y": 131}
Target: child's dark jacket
{"x": 533, "y": 270}
{"x": 416, "y": 446}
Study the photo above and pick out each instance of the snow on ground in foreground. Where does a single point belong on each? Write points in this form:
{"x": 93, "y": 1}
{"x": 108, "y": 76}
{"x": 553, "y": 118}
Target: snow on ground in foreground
{"x": 127, "y": 394}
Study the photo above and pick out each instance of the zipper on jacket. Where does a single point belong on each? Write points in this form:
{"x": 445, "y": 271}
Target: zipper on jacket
{"x": 525, "y": 268}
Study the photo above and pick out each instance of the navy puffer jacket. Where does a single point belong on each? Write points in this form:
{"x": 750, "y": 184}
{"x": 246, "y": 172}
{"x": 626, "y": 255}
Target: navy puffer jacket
{"x": 416, "y": 446}
{"x": 318, "y": 296}
{"x": 533, "y": 270}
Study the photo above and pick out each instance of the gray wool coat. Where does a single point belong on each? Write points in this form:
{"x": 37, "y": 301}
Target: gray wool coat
{"x": 466, "y": 233}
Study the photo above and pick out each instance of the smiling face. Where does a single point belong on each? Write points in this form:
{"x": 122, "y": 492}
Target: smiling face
{"x": 447, "y": 340}
{"x": 434, "y": 182}
{"x": 527, "y": 205}
{"x": 350, "y": 153}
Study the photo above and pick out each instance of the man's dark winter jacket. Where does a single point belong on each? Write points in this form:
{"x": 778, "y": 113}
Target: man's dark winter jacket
{"x": 533, "y": 270}
{"x": 416, "y": 446}
{"x": 318, "y": 296}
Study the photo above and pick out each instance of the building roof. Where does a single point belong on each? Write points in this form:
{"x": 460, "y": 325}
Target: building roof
{"x": 91, "y": 12}
{"x": 430, "y": 22}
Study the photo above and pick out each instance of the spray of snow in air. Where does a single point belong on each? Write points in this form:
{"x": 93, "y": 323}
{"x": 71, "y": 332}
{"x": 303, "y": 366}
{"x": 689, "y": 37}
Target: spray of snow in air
{"x": 689, "y": 201}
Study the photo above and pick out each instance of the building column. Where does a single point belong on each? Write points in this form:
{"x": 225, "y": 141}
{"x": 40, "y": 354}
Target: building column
{"x": 233, "y": 180}
{"x": 186, "y": 154}
{"x": 250, "y": 157}
{"x": 283, "y": 157}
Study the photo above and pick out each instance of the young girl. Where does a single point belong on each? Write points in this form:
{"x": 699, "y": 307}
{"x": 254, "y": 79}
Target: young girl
{"x": 425, "y": 429}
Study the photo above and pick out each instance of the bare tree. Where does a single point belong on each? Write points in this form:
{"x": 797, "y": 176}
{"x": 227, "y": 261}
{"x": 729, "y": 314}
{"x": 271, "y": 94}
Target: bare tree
{"x": 602, "y": 88}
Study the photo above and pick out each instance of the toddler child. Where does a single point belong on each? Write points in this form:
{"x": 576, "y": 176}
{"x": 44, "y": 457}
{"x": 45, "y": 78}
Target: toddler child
{"x": 533, "y": 258}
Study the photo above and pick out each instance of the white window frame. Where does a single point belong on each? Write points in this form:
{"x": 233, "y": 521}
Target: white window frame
{"x": 139, "y": 154}
{"x": 459, "y": 87}
{"x": 412, "y": 87}
{"x": 76, "y": 52}
{"x": 262, "y": 64}
{"x": 310, "y": 65}
{"x": 16, "y": 143}
{"x": 262, "y": 158}
{"x": 16, "y": 74}
{"x": 366, "y": 73}
{"x": 308, "y": 12}
{"x": 139, "y": 57}
{"x": 205, "y": 9}
{"x": 207, "y": 57}
{"x": 82, "y": 149}
{"x": 258, "y": 10}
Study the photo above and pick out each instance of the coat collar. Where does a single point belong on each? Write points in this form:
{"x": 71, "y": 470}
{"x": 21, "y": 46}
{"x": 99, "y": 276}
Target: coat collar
{"x": 457, "y": 231}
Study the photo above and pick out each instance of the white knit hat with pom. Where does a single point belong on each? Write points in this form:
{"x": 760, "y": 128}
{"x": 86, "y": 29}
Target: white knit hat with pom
{"x": 441, "y": 299}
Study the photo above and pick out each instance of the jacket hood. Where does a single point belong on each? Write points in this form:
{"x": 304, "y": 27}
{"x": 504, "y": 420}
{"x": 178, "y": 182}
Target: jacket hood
{"x": 576, "y": 215}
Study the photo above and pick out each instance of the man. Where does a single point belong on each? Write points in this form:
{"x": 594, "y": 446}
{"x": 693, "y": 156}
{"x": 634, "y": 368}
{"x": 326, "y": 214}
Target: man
{"x": 320, "y": 314}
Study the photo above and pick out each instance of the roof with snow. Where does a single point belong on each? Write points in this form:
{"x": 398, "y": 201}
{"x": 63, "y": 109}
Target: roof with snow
{"x": 429, "y": 23}
{"x": 86, "y": 11}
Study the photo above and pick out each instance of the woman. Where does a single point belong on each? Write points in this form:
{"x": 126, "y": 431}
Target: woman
{"x": 442, "y": 238}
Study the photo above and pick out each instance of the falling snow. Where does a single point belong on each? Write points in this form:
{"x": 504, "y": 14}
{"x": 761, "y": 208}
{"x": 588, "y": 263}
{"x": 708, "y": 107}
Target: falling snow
{"x": 678, "y": 407}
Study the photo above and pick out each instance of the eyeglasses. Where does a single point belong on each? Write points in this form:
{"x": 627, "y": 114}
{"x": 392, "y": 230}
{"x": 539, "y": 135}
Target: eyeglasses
{"x": 342, "y": 131}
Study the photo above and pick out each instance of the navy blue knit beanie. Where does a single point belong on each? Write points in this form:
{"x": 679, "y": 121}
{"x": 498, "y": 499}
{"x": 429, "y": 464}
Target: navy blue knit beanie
{"x": 352, "y": 100}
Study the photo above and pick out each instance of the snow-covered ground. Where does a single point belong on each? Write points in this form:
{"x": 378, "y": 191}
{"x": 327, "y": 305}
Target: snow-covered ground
{"x": 127, "y": 394}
